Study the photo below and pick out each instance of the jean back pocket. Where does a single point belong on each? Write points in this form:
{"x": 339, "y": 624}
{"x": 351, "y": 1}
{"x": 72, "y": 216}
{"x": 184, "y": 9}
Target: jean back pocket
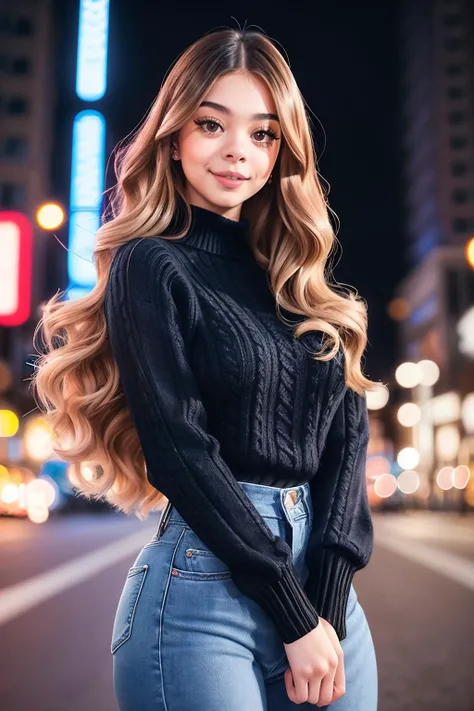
{"x": 127, "y": 606}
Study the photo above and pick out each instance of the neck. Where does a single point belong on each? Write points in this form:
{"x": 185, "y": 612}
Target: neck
{"x": 218, "y": 235}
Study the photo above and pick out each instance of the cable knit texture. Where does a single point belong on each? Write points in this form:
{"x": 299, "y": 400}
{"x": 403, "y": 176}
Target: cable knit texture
{"x": 221, "y": 391}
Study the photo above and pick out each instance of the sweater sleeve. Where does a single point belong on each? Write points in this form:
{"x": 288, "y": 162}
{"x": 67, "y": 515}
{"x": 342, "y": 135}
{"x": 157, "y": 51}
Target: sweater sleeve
{"x": 341, "y": 540}
{"x": 149, "y": 312}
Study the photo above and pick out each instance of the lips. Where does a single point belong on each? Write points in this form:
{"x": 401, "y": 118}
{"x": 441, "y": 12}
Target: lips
{"x": 229, "y": 177}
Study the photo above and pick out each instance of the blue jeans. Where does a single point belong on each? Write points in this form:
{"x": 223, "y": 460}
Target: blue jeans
{"x": 186, "y": 639}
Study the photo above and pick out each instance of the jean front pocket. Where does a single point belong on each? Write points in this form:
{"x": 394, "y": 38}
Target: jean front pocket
{"x": 127, "y": 606}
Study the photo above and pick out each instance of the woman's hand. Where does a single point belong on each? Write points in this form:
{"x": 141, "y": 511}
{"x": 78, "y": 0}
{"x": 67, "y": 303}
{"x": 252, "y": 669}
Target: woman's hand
{"x": 316, "y": 672}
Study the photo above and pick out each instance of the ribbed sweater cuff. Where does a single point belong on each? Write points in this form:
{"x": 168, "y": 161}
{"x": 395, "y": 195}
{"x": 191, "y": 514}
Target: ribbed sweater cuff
{"x": 288, "y": 606}
{"x": 328, "y": 587}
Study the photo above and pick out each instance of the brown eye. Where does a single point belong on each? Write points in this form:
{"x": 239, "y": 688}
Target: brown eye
{"x": 206, "y": 122}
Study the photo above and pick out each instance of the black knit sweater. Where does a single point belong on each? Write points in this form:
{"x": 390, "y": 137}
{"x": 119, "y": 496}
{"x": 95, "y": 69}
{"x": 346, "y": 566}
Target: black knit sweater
{"x": 220, "y": 391}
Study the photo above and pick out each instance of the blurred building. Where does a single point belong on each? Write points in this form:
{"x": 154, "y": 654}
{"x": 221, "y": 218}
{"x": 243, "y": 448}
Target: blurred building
{"x": 437, "y": 80}
{"x": 437, "y": 46}
{"x": 27, "y": 106}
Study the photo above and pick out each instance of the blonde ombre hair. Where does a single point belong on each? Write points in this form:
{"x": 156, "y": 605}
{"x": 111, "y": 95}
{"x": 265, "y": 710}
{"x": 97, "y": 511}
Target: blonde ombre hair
{"x": 77, "y": 379}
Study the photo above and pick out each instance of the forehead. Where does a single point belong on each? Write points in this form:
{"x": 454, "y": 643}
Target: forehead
{"x": 243, "y": 96}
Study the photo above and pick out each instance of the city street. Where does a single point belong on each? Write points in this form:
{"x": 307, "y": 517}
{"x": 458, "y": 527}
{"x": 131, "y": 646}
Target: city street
{"x": 417, "y": 592}
{"x": 235, "y": 241}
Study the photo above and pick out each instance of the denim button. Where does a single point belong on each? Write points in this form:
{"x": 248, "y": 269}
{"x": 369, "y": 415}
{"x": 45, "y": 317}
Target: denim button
{"x": 290, "y": 499}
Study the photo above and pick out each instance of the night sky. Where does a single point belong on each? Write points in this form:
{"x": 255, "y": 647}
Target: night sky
{"x": 345, "y": 58}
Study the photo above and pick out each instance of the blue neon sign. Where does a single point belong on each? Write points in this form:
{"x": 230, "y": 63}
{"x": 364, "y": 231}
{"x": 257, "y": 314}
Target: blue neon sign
{"x": 93, "y": 35}
{"x": 87, "y": 186}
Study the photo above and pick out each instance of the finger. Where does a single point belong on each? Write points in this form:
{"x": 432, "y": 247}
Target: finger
{"x": 339, "y": 677}
{"x": 340, "y": 680}
{"x": 290, "y": 689}
{"x": 326, "y": 690}
{"x": 301, "y": 689}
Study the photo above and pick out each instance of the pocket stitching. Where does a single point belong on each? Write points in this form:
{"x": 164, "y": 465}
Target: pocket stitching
{"x": 200, "y": 551}
{"x": 199, "y": 575}
{"x": 128, "y": 632}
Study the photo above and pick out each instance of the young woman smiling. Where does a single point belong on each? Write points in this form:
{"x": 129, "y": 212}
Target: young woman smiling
{"x": 216, "y": 368}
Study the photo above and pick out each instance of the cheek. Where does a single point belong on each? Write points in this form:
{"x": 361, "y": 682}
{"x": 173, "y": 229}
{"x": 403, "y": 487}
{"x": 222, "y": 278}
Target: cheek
{"x": 264, "y": 160}
{"x": 196, "y": 151}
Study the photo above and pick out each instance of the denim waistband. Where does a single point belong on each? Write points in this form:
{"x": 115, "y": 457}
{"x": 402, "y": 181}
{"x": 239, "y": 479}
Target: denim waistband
{"x": 290, "y": 502}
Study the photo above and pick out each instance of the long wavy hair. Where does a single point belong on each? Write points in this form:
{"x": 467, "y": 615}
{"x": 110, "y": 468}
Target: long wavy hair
{"x": 76, "y": 378}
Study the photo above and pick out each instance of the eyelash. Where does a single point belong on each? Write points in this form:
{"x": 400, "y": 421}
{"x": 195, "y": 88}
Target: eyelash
{"x": 268, "y": 131}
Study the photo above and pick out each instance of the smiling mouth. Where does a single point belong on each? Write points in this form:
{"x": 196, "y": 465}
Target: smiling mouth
{"x": 229, "y": 177}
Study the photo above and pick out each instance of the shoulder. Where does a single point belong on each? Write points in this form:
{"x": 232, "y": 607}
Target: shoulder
{"x": 146, "y": 269}
{"x": 142, "y": 252}
{"x": 143, "y": 261}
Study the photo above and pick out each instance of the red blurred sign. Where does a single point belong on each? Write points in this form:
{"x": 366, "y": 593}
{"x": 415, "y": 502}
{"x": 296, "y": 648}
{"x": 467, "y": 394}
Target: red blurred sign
{"x": 16, "y": 248}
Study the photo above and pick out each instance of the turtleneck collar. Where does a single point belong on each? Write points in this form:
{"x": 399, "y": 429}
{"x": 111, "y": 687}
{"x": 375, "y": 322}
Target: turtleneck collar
{"x": 217, "y": 234}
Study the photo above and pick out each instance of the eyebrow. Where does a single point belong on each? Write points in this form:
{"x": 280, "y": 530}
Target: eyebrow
{"x": 226, "y": 110}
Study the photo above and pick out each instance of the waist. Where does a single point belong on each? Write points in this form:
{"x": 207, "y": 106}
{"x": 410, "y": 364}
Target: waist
{"x": 290, "y": 502}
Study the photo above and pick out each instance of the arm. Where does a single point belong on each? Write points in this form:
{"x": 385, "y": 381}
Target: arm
{"x": 342, "y": 535}
{"x": 150, "y": 314}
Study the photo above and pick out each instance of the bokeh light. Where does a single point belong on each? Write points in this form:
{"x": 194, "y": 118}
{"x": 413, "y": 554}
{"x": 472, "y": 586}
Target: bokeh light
{"x": 385, "y": 486}
{"x": 409, "y": 414}
{"x": 378, "y": 398}
{"x": 447, "y": 441}
{"x": 467, "y": 413}
{"x": 408, "y": 481}
{"x": 408, "y": 458}
{"x": 429, "y": 372}
{"x": 38, "y": 439}
{"x": 9, "y": 493}
{"x": 470, "y": 252}
{"x": 408, "y": 375}
{"x": 398, "y": 309}
{"x": 40, "y": 492}
{"x": 50, "y": 216}
{"x": 9, "y": 423}
{"x": 461, "y": 476}
{"x": 444, "y": 478}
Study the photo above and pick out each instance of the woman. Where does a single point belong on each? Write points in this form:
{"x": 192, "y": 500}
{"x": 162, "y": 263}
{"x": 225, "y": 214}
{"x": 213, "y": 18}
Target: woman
{"x": 215, "y": 368}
